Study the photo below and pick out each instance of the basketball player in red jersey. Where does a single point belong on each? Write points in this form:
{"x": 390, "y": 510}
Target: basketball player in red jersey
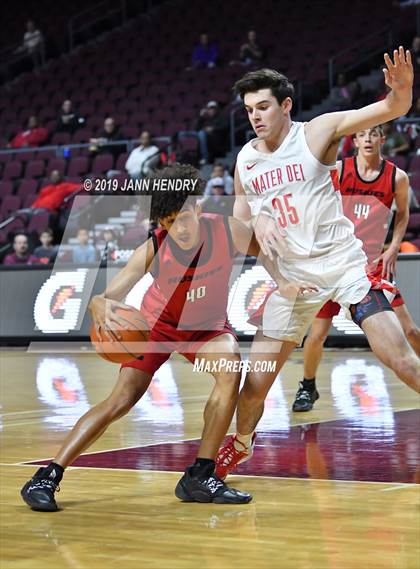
{"x": 284, "y": 188}
{"x": 190, "y": 259}
{"x": 365, "y": 181}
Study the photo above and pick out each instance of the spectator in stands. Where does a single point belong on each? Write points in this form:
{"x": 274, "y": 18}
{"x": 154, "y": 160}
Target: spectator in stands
{"x": 33, "y": 44}
{"x": 109, "y": 134}
{"x": 84, "y": 252}
{"x": 219, "y": 172}
{"x": 47, "y": 252}
{"x": 33, "y": 136}
{"x": 343, "y": 94}
{"x": 211, "y": 130}
{"x": 204, "y": 54}
{"x": 21, "y": 255}
{"x": 68, "y": 121}
{"x": 52, "y": 197}
{"x": 251, "y": 51}
{"x": 395, "y": 142}
{"x": 109, "y": 246}
{"x": 217, "y": 201}
{"x": 144, "y": 158}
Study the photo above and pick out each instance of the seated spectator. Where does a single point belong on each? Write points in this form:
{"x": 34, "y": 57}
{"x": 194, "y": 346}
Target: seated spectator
{"x": 109, "y": 134}
{"x": 220, "y": 172}
{"x": 211, "y": 129}
{"x": 343, "y": 94}
{"x": 84, "y": 252}
{"x": 251, "y": 51}
{"x": 33, "y": 44}
{"x": 217, "y": 201}
{"x": 52, "y": 197}
{"x": 47, "y": 252}
{"x": 33, "y": 136}
{"x": 109, "y": 245}
{"x": 68, "y": 121}
{"x": 395, "y": 142}
{"x": 144, "y": 158}
{"x": 204, "y": 54}
{"x": 21, "y": 255}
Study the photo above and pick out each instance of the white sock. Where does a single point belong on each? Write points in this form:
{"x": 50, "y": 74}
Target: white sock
{"x": 244, "y": 439}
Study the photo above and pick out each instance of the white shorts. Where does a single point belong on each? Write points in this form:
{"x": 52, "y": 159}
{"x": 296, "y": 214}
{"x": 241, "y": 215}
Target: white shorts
{"x": 289, "y": 320}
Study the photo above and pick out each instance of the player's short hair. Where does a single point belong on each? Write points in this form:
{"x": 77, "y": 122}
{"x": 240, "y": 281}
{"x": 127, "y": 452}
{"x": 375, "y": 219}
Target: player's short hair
{"x": 165, "y": 203}
{"x": 379, "y": 127}
{"x": 265, "y": 79}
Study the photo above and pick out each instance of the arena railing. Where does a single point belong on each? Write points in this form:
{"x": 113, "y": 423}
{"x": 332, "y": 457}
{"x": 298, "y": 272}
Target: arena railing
{"x": 64, "y": 150}
{"x": 362, "y": 51}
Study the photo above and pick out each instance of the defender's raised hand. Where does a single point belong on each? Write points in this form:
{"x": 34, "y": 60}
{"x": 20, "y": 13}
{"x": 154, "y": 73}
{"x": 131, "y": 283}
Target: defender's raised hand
{"x": 399, "y": 73}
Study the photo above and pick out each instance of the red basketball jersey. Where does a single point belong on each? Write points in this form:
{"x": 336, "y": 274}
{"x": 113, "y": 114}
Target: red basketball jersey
{"x": 368, "y": 203}
{"x": 190, "y": 288}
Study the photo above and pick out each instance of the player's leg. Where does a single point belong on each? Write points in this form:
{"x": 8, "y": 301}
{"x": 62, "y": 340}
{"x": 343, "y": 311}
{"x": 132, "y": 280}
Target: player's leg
{"x": 386, "y": 337}
{"x": 131, "y": 385}
{"x": 313, "y": 348}
{"x": 199, "y": 483}
{"x": 258, "y": 383}
{"x": 220, "y": 406}
{"x": 411, "y": 330}
{"x": 265, "y": 352}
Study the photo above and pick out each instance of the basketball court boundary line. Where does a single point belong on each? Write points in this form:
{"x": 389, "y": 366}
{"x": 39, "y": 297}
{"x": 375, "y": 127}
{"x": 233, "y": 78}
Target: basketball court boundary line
{"x": 393, "y": 485}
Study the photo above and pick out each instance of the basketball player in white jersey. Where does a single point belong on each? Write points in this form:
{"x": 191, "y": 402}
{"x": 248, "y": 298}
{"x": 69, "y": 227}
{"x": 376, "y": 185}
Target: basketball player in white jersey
{"x": 365, "y": 180}
{"x": 283, "y": 188}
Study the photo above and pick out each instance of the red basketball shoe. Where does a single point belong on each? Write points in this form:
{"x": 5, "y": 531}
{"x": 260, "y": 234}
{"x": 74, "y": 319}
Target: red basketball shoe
{"x": 229, "y": 457}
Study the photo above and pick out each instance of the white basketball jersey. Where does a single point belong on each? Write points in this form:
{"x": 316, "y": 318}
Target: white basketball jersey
{"x": 294, "y": 187}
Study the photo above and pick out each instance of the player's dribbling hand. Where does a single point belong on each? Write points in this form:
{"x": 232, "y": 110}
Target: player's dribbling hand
{"x": 103, "y": 314}
{"x": 292, "y": 290}
{"x": 399, "y": 73}
{"x": 269, "y": 236}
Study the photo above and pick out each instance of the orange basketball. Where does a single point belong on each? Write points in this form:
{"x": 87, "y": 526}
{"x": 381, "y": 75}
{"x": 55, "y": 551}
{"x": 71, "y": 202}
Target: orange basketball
{"x": 126, "y": 344}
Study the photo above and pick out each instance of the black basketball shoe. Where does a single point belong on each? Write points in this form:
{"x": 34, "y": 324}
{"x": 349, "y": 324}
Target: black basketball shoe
{"x": 208, "y": 488}
{"x": 305, "y": 399}
{"x": 38, "y": 493}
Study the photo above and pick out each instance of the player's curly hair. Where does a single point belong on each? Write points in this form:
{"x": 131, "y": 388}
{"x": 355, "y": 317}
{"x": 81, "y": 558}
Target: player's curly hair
{"x": 165, "y": 203}
{"x": 265, "y": 79}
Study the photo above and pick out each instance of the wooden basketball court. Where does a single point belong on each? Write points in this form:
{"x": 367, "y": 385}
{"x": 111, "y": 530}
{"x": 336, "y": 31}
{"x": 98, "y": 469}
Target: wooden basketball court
{"x": 333, "y": 489}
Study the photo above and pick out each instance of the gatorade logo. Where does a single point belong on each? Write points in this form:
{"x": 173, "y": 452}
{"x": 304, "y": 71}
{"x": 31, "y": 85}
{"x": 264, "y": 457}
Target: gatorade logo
{"x": 58, "y": 302}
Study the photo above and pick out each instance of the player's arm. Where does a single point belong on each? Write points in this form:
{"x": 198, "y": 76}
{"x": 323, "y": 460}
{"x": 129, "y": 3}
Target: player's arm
{"x": 245, "y": 242}
{"x": 324, "y": 132}
{"x": 102, "y": 306}
{"x": 402, "y": 214}
{"x": 241, "y": 209}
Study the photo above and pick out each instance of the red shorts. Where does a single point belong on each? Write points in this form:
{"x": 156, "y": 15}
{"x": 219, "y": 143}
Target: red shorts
{"x": 168, "y": 339}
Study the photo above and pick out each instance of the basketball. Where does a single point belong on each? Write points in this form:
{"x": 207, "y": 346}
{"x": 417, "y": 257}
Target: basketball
{"x": 126, "y": 343}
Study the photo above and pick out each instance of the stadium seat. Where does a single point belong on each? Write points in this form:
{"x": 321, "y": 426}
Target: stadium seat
{"x": 34, "y": 169}
{"x": 9, "y": 205}
{"x": 56, "y": 164}
{"x": 78, "y": 166}
{"x": 102, "y": 163}
{"x": 12, "y": 170}
{"x": 27, "y": 187}
{"x": 6, "y": 189}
